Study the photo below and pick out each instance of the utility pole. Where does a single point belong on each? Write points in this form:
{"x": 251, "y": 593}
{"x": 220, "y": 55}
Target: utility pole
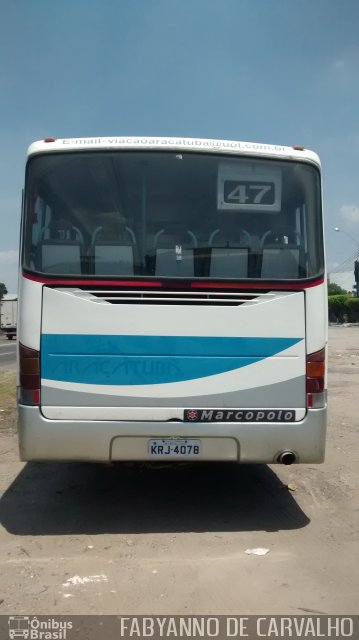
{"x": 356, "y": 261}
{"x": 356, "y": 274}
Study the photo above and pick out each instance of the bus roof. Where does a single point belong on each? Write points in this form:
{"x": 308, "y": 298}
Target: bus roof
{"x": 235, "y": 147}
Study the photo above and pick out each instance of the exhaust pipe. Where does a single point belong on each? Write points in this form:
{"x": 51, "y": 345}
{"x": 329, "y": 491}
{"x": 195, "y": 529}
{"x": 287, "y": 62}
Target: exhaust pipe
{"x": 287, "y": 457}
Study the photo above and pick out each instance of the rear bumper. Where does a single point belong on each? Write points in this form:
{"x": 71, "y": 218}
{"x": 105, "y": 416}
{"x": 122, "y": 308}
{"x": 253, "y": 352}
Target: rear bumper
{"x": 42, "y": 439}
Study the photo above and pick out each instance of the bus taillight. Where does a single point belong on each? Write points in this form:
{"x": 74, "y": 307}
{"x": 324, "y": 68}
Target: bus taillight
{"x": 29, "y": 365}
{"x": 315, "y": 380}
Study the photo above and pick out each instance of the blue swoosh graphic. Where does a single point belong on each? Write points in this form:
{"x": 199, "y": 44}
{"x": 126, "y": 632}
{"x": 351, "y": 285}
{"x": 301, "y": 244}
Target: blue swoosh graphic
{"x": 143, "y": 360}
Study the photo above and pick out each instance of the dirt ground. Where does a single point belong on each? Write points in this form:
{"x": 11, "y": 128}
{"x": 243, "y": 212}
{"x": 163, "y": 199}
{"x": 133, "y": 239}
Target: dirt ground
{"x": 139, "y": 539}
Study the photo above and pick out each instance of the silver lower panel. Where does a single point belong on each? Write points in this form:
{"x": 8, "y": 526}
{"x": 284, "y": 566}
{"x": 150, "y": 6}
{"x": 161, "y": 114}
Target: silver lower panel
{"x": 42, "y": 439}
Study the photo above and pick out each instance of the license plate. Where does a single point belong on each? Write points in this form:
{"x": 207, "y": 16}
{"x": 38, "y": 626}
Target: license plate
{"x": 174, "y": 448}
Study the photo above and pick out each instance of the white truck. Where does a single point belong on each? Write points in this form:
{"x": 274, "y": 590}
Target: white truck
{"x": 8, "y": 315}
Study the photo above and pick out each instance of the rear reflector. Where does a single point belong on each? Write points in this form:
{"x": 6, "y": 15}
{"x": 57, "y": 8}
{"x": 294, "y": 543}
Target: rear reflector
{"x": 29, "y": 365}
{"x": 315, "y": 380}
{"x": 315, "y": 385}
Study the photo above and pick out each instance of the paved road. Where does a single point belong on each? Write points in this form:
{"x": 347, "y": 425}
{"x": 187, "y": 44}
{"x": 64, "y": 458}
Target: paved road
{"x": 166, "y": 539}
{"x": 7, "y": 353}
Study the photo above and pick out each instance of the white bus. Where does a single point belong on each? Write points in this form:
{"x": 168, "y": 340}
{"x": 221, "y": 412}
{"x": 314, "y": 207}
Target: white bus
{"x": 172, "y": 302}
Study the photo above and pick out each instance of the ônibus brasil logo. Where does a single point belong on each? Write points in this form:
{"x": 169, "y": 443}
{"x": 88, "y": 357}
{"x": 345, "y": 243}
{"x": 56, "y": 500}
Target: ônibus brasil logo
{"x": 31, "y": 628}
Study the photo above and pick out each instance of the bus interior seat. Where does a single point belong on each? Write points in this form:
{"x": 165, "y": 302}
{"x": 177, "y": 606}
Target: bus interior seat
{"x": 229, "y": 254}
{"x": 113, "y": 253}
{"x": 281, "y": 254}
{"x": 174, "y": 254}
{"x": 62, "y": 251}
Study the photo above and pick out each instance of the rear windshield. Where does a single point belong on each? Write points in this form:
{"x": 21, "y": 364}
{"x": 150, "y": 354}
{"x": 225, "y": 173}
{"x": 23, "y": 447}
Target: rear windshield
{"x": 172, "y": 215}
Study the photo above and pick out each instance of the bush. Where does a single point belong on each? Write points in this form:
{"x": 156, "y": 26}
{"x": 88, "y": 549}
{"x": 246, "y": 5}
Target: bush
{"x": 335, "y": 290}
{"x": 338, "y": 310}
{"x": 352, "y": 305}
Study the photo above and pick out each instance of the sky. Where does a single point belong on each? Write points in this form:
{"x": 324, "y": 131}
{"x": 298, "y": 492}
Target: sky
{"x": 276, "y": 71}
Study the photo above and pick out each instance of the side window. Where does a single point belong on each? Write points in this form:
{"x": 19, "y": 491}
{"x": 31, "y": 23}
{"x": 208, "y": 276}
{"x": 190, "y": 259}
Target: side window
{"x": 41, "y": 218}
{"x": 36, "y": 221}
{"x": 57, "y": 246}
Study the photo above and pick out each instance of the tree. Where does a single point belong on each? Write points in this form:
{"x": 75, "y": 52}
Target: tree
{"x": 335, "y": 289}
{"x": 3, "y": 290}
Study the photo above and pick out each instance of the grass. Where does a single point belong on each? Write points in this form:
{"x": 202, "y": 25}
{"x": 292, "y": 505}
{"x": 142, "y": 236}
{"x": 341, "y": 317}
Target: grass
{"x": 7, "y": 398}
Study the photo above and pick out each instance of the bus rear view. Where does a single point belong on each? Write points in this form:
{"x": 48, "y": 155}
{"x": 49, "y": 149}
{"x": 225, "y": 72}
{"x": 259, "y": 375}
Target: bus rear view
{"x": 172, "y": 302}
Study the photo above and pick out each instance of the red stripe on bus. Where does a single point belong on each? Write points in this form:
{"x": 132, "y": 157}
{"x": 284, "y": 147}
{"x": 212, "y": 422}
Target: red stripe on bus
{"x": 177, "y": 284}
{"x": 257, "y": 285}
{"x": 94, "y": 283}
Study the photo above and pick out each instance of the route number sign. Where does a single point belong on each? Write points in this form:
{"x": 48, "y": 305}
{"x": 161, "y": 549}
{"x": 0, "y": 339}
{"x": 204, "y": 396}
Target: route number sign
{"x": 248, "y": 188}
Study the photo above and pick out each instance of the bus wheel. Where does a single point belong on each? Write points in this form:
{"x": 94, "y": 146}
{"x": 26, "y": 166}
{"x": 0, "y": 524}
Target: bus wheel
{"x": 10, "y": 337}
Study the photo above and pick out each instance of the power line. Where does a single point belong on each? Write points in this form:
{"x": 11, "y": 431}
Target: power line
{"x": 347, "y": 262}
